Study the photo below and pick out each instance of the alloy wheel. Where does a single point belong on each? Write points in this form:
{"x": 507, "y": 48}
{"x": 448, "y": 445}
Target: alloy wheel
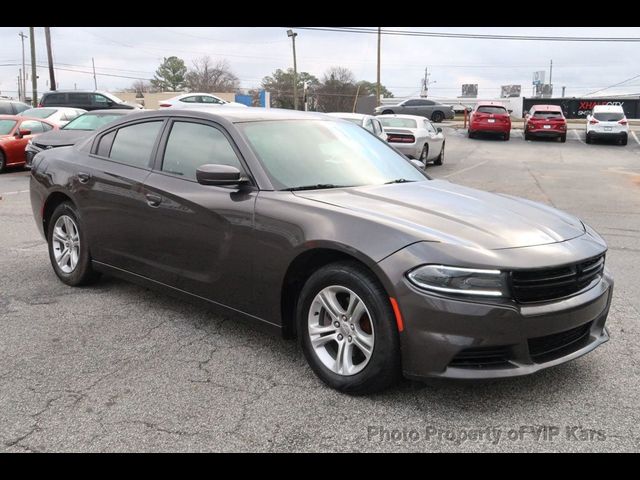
{"x": 66, "y": 243}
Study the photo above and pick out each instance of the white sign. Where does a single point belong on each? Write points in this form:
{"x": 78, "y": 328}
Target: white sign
{"x": 538, "y": 77}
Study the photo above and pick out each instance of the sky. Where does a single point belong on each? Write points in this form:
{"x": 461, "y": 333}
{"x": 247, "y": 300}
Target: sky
{"x": 254, "y": 52}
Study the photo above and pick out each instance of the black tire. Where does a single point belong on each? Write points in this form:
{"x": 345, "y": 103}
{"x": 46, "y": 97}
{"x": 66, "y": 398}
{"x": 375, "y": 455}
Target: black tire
{"x": 624, "y": 140}
{"x": 83, "y": 274}
{"x": 588, "y": 138}
{"x": 471, "y": 134}
{"x": 387, "y": 112}
{"x": 424, "y": 154}
{"x": 437, "y": 117}
{"x": 440, "y": 158}
{"x": 563, "y": 138}
{"x": 383, "y": 367}
{"x": 2, "y": 161}
{"x": 506, "y": 136}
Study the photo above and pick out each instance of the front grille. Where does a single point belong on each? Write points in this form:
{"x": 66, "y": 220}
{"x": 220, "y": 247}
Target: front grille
{"x": 550, "y": 347}
{"x": 482, "y": 357}
{"x": 551, "y": 283}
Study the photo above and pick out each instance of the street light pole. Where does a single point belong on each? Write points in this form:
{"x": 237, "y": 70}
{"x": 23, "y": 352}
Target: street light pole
{"x": 378, "y": 79}
{"x": 24, "y": 71}
{"x": 34, "y": 73}
{"x": 293, "y": 35}
{"x": 52, "y": 75}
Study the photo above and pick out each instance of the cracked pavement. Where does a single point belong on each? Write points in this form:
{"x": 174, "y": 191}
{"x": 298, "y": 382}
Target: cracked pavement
{"x": 116, "y": 367}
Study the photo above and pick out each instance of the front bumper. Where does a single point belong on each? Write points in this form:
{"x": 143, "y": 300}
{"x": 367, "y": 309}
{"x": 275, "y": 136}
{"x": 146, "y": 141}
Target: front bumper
{"x": 474, "y": 339}
{"x": 29, "y": 152}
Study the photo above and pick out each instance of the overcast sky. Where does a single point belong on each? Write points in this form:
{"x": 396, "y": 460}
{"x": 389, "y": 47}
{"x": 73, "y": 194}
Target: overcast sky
{"x": 252, "y": 53}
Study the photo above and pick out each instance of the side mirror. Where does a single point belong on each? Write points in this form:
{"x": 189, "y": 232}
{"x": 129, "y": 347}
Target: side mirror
{"x": 439, "y": 129}
{"x": 23, "y": 132}
{"x": 417, "y": 163}
{"x": 219, "y": 175}
{"x": 510, "y": 111}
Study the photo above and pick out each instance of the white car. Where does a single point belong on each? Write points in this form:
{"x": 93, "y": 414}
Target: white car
{"x": 59, "y": 116}
{"x": 415, "y": 137}
{"x": 368, "y": 122}
{"x": 607, "y": 122}
{"x": 193, "y": 99}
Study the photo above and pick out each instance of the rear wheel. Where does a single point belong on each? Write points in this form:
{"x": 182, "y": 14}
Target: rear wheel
{"x": 440, "y": 158}
{"x": 471, "y": 134}
{"x": 588, "y": 138}
{"x": 506, "y": 136}
{"x": 347, "y": 329}
{"x": 2, "y": 161}
{"x": 424, "y": 154}
{"x": 68, "y": 248}
{"x": 563, "y": 138}
{"x": 624, "y": 139}
{"x": 437, "y": 117}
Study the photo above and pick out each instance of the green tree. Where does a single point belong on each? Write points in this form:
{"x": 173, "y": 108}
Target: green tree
{"x": 280, "y": 85}
{"x": 170, "y": 75}
{"x": 369, "y": 88}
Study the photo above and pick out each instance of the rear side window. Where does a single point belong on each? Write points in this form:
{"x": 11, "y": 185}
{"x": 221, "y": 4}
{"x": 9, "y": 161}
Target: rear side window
{"x": 79, "y": 99}
{"x": 5, "y": 108}
{"x": 493, "y": 110}
{"x": 191, "y": 99}
{"x": 54, "y": 99}
{"x": 191, "y": 145}
{"x": 134, "y": 144}
{"x": 608, "y": 116}
{"x": 104, "y": 147}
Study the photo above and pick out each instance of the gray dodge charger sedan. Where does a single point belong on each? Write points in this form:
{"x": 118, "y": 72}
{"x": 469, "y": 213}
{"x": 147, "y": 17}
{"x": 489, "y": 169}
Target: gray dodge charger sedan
{"x": 317, "y": 229}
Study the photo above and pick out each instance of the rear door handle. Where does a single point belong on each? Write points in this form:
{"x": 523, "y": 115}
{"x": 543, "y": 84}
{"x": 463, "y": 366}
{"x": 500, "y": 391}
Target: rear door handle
{"x": 83, "y": 177}
{"x": 153, "y": 200}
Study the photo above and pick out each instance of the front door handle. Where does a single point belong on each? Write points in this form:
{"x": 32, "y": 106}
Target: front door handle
{"x": 83, "y": 177}
{"x": 153, "y": 200}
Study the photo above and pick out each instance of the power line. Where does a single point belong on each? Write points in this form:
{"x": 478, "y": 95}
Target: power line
{"x": 476, "y": 36}
{"x": 615, "y": 85}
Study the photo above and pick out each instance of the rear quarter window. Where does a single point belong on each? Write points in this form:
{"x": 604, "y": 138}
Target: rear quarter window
{"x": 55, "y": 99}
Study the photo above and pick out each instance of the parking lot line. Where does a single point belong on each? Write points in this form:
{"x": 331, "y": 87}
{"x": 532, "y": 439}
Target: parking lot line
{"x": 464, "y": 169}
{"x": 635, "y": 137}
{"x": 578, "y": 136}
{"x": 16, "y": 192}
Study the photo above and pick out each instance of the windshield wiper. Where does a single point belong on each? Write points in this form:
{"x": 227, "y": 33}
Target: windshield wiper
{"x": 399, "y": 180}
{"x": 317, "y": 186}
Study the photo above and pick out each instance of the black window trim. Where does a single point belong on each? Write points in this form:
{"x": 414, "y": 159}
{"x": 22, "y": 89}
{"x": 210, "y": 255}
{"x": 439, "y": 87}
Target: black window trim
{"x": 152, "y": 158}
{"x": 164, "y": 137}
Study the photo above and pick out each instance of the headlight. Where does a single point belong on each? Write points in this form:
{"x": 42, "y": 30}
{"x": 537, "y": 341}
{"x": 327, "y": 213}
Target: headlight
{"x": 461, "y": 281}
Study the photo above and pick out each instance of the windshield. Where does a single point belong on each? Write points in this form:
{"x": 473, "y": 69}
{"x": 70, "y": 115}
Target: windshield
{"x": 608, "y": 116}
{"x": 398, "y": 122}
{"x": 548, "y": 114}
{"x": 38, "y": 112}
{"x": 492, "y": 110}
{"x": 6, "y": 126}
{"x": 316, "y": 152}
{"x": 91, "y": 121}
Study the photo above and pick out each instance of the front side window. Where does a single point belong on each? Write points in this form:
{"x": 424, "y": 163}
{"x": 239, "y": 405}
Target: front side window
{"x": 303, "y": 153}
{"x": 134, "y": 144}
{"x": 80, "y": 98}
{"x": 33, "y": 125}
{"x": 100, "y": 100}
{"x": 212, "y": 100}
{"x": 191, "y": 145}
{"x": 369, "y": 125}
{"x": 430, "y": 128}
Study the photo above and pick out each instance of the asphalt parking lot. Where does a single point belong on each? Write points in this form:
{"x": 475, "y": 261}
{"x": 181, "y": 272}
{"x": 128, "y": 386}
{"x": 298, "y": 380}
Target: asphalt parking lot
{"x": 115, "y": 367}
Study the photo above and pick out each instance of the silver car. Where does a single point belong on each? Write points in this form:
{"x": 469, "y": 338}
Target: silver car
{"x": 415, "y": 137}
{"x": 419, "y": 106}
{"x": 368, "y": 122}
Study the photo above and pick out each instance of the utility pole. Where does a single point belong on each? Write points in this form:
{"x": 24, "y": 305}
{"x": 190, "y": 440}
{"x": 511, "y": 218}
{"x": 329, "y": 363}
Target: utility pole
{"x": 550, "y": 72}
{"x": 378, "y": 78}
{"x": 52, "y": 75}
{"x": 95, "y": 82}
{"x": 306, "y": 98}
{"x": 563, "y": 88}
{"x": 24, "y": 81}
{"x": 293, "y": 35}
{"x": 34, "y": 74}
{"x": 20, "y": 84}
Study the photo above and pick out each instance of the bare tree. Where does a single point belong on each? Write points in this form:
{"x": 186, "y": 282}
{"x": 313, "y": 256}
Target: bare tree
{"x": 337, "y": 91}
{"x": 207, "y": 77}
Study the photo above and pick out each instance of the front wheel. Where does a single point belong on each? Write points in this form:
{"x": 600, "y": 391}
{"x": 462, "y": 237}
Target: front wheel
{"x": 440, "y": 158}
{"x": 68, "y": 248}
{"x": 347, "y": 329}
{"x": 424, "y": 154}
{"x": 437, "y": 117}
{"x": 2, "y": 161}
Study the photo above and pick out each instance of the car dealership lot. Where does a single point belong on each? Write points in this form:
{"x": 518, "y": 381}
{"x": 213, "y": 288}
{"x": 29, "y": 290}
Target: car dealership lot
{"x": 118, "y": 367}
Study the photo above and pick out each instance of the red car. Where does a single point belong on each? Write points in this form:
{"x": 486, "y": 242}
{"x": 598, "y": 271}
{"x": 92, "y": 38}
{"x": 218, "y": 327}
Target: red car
{"x": 490, "y": 117}
{"x": 545, "y": 121}
{"x": 15, "y": 132}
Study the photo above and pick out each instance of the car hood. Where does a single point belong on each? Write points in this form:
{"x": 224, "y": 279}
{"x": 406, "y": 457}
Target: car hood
{"x": 440, "y": 211}
{"x": 61, "y": 138}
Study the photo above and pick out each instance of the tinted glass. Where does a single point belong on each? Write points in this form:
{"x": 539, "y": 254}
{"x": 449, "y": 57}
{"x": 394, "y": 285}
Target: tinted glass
{"x": 20, "y": 107}
{"x": 133, "y": 144}
{"x": 368, "y": 125}
{"x": 38, "y": 112}
{"x": 100, "y": 100}
{"x": 5, "y": 108}
{"x": 191, "y": 99}
{"x": 493, "y": 110}
{"x": 6, "y": 126}
{"x": 33, "y": 125}
{"x": 299, "y": 153}
{"x": 548, "y": 114}
{"x": 191, "y": 145}
{"x": 398, "y": 122}
{"x": 46, "y": 127}
{"x": 104, "y": 147}
{"x": 377, "y": 128}
{"x": 608, "y": 116}
{"x": 205, "y": 99}
{"x": 430, "y": 128}
{"x": 91, "y": 121}
{"x": 80, "y": 98}
{"x": 54, "y": 99}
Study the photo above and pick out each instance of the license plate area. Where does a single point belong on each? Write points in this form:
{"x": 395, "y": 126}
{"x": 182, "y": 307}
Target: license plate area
{"x": 491, "y": 120}
{"x": 546, "y": 126}
{"x": 607, "y": 129}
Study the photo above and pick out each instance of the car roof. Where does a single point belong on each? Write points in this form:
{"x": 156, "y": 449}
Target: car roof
{"x": 123, "y": 111}
{"x": 547, "y": 108}
{"x": 359, "y": 116}
{"x": 490, "y": 103}
{"x": 608, "y": 108}
{"x": 23, "y": 118}
{"x": 410, "y": 117}
{"x": 11, "y": 117}
{"x": 72, "y": 91}
{"x": 243, "y": 114}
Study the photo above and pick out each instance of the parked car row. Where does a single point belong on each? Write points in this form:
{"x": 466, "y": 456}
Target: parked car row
{"x": 422, "y": 107}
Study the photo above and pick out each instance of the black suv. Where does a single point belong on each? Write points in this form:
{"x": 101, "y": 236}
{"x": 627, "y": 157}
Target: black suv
{"x": 11, "y": 107}
{"x": 87, "y": 100}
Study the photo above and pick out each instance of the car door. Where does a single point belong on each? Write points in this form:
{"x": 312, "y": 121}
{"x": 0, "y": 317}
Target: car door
{"x": 110, "y": 195}
{"x": 81, "y": 100}
{"x": 200, "y": 236}
{"x": 435, "y": 140}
